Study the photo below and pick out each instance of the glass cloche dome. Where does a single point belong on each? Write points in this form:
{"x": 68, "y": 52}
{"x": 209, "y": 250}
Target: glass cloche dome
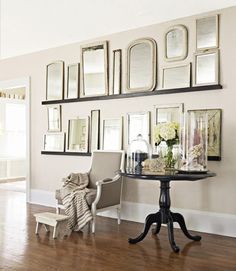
{"x": 138, "y": 151}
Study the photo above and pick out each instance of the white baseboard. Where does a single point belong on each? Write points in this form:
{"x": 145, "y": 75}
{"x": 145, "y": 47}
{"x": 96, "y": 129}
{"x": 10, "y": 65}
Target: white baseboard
{"x": 209, "y": 222}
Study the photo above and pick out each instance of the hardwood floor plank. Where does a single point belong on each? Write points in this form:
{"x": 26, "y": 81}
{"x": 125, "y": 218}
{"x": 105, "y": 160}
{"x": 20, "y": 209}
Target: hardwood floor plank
{"x": 108, "y": 249}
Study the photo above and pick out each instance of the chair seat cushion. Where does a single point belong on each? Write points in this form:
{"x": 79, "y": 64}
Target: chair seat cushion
{"x": 90, "y": 196}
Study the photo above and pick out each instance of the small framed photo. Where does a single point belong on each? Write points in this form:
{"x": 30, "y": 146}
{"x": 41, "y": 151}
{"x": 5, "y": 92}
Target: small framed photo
{"x": 54, "y": 118}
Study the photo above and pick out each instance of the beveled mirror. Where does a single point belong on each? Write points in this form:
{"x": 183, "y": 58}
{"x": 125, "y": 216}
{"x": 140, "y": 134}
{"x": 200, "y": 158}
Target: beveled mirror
{"x": 94, "y": 69}
{"x": 116, "y": 73}
{"x": 94, "y": 130}
{"x": 176, "y": 77}
{"x": 176, "y": 43}
{"x": 55, "y": 81}
{"x": 54, "y": 142}
{"x": 207, "y": 32}
{"x": 206, "y": 68}
{"x": 112, "y": 134}
{"x": 54, "y": 118}
{"x": 141, "y": 65}
{"x": 72, "y": 81}
{"x": 138, "y": 123}
{"x": 78, "y": 135}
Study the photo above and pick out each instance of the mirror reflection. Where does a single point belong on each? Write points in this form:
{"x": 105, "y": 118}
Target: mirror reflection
{"x": 112, "y": 134}
{"x": 168, "y": 113}
{"x": 78, "y": 135}
{"x": 54, "y": 142}
{"x": 176, "y": 43}
{"x": 116, "y": 80}
{"x": 207, "y": 32}
{"x": 141, "y": 65}
{"x": 55, "y": 81}
{"x": 54, "y": 118}
{"x": 94, "y": 69}
{"x": 206, "y": 68}
{"x": 138, "y": 123}
{"x": 73, "y": 81}
{"x": 94, "y": 134}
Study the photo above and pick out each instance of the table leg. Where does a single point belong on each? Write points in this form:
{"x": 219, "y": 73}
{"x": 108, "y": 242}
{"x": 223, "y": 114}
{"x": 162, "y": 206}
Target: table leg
{"x": 150, "y": 219}
{"x": 171, "y": 234}
{"x": 180, "y": 220}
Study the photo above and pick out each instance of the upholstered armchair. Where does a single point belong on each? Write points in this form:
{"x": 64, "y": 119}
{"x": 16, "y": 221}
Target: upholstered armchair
{"x": 105, "y": 183}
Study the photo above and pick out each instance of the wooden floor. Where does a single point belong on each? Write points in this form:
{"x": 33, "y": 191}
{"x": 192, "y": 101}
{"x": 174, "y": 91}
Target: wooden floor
{"x": 21, "y": 249}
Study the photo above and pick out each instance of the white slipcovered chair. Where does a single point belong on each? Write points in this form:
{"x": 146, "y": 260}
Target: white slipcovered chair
{"x": 105, "y": 183}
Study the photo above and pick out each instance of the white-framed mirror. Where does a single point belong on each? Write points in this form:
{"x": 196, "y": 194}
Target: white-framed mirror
{"x": 94, "y": 130}
{"x": 54, "y": 118}
{"x": 176, "y": 43}
{"x": 176, "y": 77}
{"x": 141, "y": 65}
{"x": 112, "y": 130}
{"x": 116, "y": 72}
{"x": 78, "y": 135}
{"x": 54, "y": 142}
{"x": 138, "y": 123}
{"x": 94, "y": 69}
{"x": 55, "y": 81}
{"x": 206, "y": 68}
{"x": 207, "y": 32}
{"x": 72, "y": 81}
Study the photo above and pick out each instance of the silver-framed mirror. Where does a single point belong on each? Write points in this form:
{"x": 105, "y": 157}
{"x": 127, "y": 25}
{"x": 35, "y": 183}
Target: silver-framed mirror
{"x": 54, "y": 142}
{"x": 116, "y": 72}
{"x": 55, "y": 81}
{"x": 78, "y": 135}
{"x": 72, "y": 81}
{"x": 138, "y": 123}
{"x": 94, "y": 130}
{"x": 94, "y": 69}
{"x": 54, "y": 118}
{"x": 206, "y": 68}
{"x": 141, "y": 65}
{"x": 112, "y": 130}
{"x": 176, "y": 43}
{"x": 176, "y": 77}
{"x": 207, "y": 33}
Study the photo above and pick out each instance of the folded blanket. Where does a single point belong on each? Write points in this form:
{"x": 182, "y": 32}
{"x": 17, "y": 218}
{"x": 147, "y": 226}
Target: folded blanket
{"x": 73, "y": 198}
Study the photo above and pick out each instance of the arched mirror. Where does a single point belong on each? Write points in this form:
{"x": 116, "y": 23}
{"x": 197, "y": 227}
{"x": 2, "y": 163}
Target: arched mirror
{"x": 141, "y": 65}
{"x": 55, "y": 81}
{"x": 176, "y": 43}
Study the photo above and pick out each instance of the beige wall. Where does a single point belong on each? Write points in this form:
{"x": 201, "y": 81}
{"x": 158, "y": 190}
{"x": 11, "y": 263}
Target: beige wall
{"x": 216, "y": 194}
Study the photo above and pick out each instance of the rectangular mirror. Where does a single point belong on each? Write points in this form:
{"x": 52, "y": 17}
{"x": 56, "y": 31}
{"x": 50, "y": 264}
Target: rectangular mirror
{"x": 207, "y": 31}
{"x": 78, "y": 135}
{"x": 54, "y": 118}
{"x": 116, "y": 73}
{"x": 206, "y": 68}
{"x": 73, "y": 81}
{"x": 138, "y": 123}
{"x": 94, "y": 69}
{"x": 176, "y": 77}
{"x": 54, "y": 142}
{"x": 112, "y": 134}
{"x": 55, "y": 81}
{"x": 141, "y": 65}
{"x": 94, "y": 130}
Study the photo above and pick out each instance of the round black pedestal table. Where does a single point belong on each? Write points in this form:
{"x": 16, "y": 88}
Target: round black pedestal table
{"x": 164, "y": 215}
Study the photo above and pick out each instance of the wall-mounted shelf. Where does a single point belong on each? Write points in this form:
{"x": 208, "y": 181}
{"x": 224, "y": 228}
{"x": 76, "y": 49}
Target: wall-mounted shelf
{"x": 66, "y": 153}
{"x": 136, "y": 94}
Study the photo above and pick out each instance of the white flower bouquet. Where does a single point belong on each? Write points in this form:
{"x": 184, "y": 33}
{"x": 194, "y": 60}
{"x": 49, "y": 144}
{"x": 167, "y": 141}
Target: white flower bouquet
{"x": 168, "y": 132}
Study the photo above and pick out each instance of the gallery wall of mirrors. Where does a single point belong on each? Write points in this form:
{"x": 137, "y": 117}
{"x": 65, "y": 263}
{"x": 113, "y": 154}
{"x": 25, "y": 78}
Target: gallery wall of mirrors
{"x": 93, "y": 79}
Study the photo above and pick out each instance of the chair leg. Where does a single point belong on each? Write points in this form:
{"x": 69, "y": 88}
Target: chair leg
{"x": 58, "y": 210}
{"x": 118, "y": 215}
{"x": 93, "y": 224}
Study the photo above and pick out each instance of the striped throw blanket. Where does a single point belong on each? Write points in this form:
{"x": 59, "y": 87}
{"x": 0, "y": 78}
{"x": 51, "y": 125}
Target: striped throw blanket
{"x": 73, "y": 195}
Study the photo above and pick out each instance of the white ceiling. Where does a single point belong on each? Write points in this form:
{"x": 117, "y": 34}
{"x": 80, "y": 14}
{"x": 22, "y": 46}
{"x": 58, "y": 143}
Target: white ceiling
{"x": 33, "y": 25}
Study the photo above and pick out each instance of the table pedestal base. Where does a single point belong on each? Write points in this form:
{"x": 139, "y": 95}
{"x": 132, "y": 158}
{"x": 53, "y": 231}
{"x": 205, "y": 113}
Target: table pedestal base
{"x": 165, "y": 216}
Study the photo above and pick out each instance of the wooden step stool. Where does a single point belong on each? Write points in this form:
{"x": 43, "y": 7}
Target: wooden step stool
{"x": 59, "y": 222}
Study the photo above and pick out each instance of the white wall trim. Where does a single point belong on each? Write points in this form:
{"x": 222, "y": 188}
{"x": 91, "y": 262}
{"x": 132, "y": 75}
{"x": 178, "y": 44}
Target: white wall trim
{"x": 209, "y": 222}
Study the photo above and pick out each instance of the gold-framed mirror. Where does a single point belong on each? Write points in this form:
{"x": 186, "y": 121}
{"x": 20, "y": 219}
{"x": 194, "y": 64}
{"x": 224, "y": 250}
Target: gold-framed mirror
{"x": 112, "y": 130}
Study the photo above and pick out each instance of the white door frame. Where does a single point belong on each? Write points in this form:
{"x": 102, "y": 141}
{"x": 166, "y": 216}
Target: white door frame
{"x": 15, "y": 83}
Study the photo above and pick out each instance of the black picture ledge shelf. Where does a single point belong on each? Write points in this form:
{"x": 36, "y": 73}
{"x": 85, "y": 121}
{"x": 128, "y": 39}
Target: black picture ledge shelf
{"x": 136, "y": 94}
{"x": 66, "y": 153}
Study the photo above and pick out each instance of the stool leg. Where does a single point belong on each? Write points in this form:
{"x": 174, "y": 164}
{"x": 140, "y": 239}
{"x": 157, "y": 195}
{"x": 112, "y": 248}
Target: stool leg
{"x": 38, "y": 226}
{"x": 46, "y": 227}
{"x": 55, "y": 232}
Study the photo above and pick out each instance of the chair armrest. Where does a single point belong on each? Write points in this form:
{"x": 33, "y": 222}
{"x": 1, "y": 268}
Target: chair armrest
{"x": 108, "y": 180}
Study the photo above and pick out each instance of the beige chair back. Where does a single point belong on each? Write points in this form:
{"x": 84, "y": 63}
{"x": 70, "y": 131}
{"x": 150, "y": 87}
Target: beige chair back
{"x": 105, "y": 164}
